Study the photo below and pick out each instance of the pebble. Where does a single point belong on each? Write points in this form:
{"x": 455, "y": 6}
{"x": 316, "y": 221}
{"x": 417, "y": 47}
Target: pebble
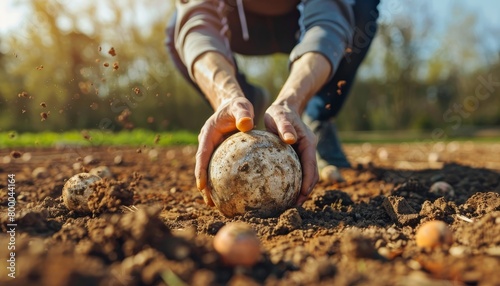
{"x": 458, "y": 251}
{"x": 102, "y": 172}
{"x": 494, "y": 251}
{"x": 118, "y": 160}
{"x": 40, "y": 173}
{"x": 90, "y": 160}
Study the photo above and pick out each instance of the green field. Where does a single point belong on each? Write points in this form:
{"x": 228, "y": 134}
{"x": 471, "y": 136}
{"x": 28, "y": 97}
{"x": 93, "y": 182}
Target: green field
{"x": 136, "y": 137}
{"x": 141, "y": 137}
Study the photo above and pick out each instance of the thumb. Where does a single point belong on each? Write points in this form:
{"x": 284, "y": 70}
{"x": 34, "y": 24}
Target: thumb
{"x": 243, "y": 115}
{"x": 244, "y": 124}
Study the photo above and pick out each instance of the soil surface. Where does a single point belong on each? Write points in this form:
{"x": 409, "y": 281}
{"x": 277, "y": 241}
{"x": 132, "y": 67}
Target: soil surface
{"x": 148, "y": 224}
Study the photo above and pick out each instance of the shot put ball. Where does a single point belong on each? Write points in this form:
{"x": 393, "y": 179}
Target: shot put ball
{"x": 442, "y": 188}
{"x": 77, "y": 190}
{"x": 254, "y": 171}
{"x": 237, "y": 244}
{"x": 433, "y": 234}
{"x": 330, "y": 174}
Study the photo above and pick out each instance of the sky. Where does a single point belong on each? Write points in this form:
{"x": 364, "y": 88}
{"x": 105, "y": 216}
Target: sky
{"x": 12, "y": 12}
{"x": 15, "y": 14}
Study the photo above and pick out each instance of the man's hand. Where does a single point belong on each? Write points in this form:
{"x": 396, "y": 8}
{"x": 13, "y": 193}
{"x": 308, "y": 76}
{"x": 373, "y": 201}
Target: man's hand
{"x": 286, "y": 123}
{"x": 214, "y": 74}
{"x": 232, "y": 115}
{"x": 309, "y": 73}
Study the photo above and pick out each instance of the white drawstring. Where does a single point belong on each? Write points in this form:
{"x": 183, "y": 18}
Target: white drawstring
{"x": 225, "y": 27}
{"x": 243, "y": 20}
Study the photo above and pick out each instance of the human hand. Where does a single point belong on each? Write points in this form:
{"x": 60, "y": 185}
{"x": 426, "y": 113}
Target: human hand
{"x": 285, "y": 122}
{"x": 234, "y": 114}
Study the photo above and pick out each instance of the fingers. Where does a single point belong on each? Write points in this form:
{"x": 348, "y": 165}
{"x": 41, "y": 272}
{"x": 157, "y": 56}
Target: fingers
{"x": 207, "y": 197}
{"x": 243, "y": 114}
{"x": 244, "y": 124}
{"x": 207, "y": 141}
{"x": 237, "y": 114}
{"x": 310, "y": 176}
{"x": 292, "y": 130}
{"x": 281, "y": 121}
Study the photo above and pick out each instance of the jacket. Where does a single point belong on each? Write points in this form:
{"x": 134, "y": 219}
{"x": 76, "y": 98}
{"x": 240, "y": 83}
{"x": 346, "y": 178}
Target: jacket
{"x": 326, "y": 26}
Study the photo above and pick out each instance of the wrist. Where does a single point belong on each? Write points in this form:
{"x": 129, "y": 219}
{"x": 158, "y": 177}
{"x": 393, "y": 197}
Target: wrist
{"x": 292, "y": 102}
{"x": 227, "y": 96}
{"x": 215, "y": 76}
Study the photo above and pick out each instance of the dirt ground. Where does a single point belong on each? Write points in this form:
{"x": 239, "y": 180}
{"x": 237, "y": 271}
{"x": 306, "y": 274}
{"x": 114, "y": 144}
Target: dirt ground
{"x": 149, "y": 225}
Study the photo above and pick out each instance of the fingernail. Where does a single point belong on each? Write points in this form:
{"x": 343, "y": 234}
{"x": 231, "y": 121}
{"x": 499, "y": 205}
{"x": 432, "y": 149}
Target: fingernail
{"x": 205, "y": 199}
{"x": 288, "y": 137}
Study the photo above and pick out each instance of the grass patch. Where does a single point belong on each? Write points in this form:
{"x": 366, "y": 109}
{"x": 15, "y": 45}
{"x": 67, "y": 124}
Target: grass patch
{"x": 141, "y": 137}
{"x": 137, "y": 137}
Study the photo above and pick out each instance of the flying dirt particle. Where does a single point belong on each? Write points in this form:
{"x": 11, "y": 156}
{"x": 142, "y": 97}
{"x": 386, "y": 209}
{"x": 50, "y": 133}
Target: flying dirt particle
{"x": 106, "y": 64}
{"x": 112, "y": 52}
{"x": 43, "y": 104}
{"x": 85, "y": 86}
{"x": 157, "y": 139}
{"x": 61, "y": 111}
{"x": 44, "y": 116}
{"x": 151, "y": 119}
{"x": 22, "y": 94}
{"x": 348, "y": 50}
{"x": 23, "y": 111}
{"x": 340, "y": 84}
{"x": 16, "y": 154}
{"x": 328, "y": 106}
{"x": 123, "y": 117}
{"x": 99, "y": 48}
{"x": 138, "y": 150}
{"x": 94, "y": 106}
{"x": 136, "y": 90}
{"x": 86, "y": 135}
{"x": 97, "y": 60}
{"x": 39, "y": 67}
{"x": 115, "y": 66}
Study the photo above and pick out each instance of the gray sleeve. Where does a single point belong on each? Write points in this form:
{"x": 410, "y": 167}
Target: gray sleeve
{"x": 327, "y": 27}
{"x": 201, "y": 26}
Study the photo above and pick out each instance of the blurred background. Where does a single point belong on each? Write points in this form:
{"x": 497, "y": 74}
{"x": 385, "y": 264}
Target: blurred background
{"x": 70, "y": 65}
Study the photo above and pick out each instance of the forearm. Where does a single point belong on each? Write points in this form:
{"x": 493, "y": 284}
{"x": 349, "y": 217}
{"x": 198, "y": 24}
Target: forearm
{"x": 307, "y": 76}
{"x": 216, "y": 78}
